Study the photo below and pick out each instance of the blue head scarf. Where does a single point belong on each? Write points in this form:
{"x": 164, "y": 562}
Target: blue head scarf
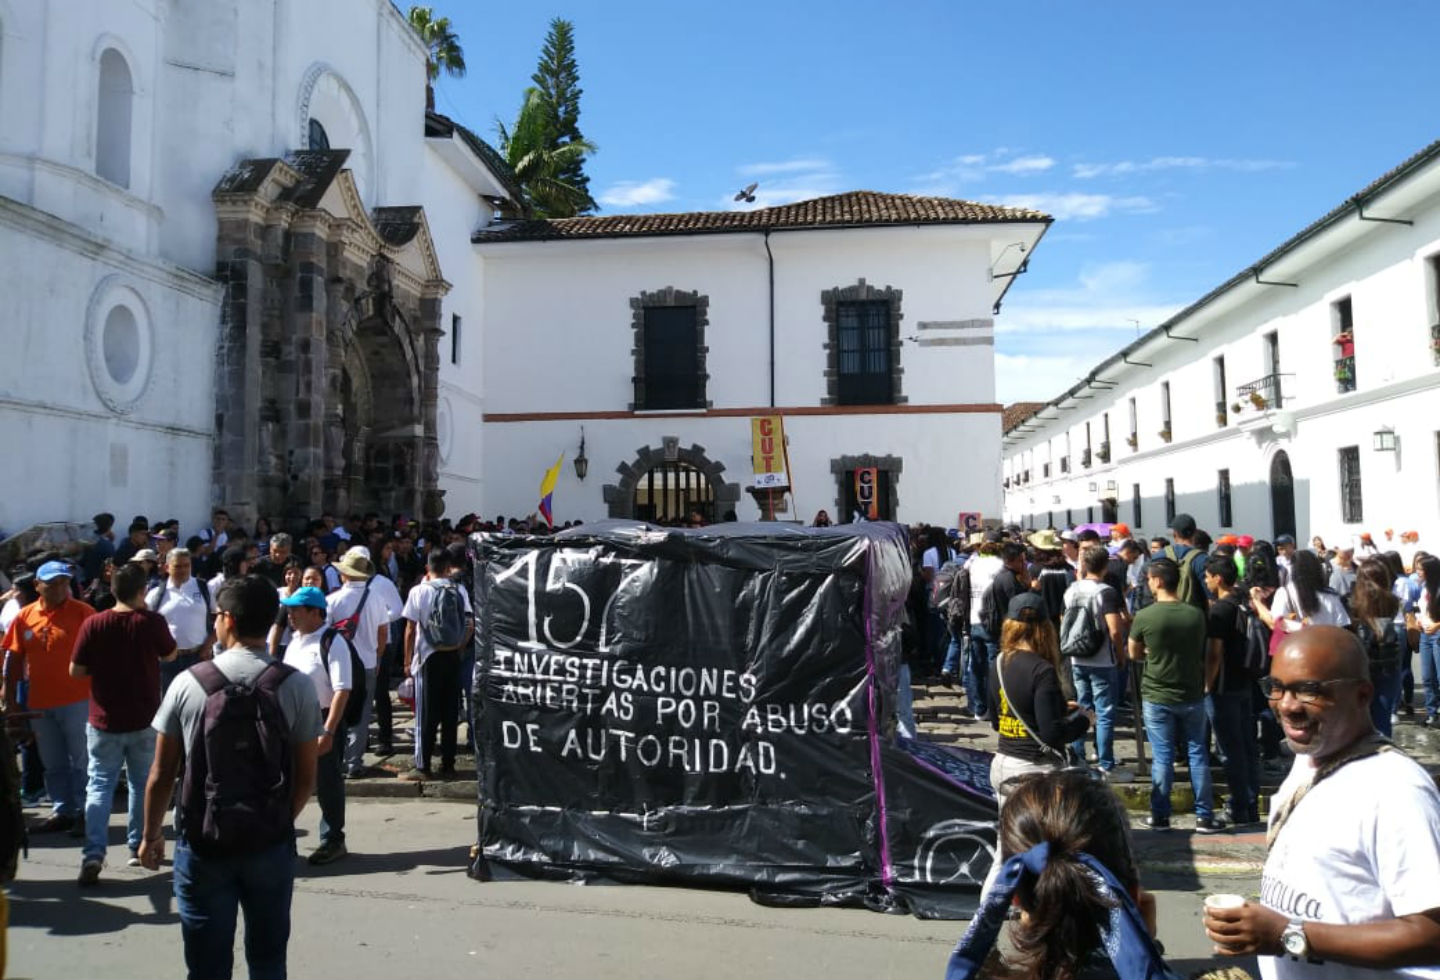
{"x": 1125, "y": 938}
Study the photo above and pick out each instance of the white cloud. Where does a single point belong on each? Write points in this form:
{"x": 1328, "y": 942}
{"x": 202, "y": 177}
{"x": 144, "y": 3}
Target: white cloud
{"x": 1076, "y": 206}
{"x": 1036, "y": 378}
{"x": 635, "y": 193}
{"x": 1024, "y": 165}
{"x": 1111, "y": 296}
{"x": 1123, "y": 168}
{"x": 783, "y": 167}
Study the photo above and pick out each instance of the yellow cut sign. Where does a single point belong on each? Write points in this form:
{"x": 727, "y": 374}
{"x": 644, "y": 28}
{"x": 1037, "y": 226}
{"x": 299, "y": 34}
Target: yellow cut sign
{"x": 767, "y": 436}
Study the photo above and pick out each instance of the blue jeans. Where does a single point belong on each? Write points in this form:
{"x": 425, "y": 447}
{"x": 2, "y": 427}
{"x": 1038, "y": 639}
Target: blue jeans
{"x": 1430, "y": 671}
{"x": 209, "y": 890}
{"x": 60, "y": 737}
{"x": 1234, "y": 723}
{"x": 983, "y": 650}
{"x": 1386, "y": 698}
{"x": 1166, "y": 726}
{"x": 1098, "y": 689}
{"x": 107, "y": 751}
{"x": 353, "y": 749}
{"x": 905, "y": 704}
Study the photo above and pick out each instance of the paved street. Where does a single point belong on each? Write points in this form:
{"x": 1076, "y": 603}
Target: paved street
{"x": 401, "y": 905}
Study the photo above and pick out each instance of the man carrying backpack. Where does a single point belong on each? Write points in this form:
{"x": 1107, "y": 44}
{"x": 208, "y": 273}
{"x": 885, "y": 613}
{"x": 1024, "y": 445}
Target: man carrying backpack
{"x": 235, "y": 844}
{"x": 359, "y": 610}
{"x": 438, "y": 626}
{"x": 1190, "y": 559}
{"x": 323, "y": 654}
{"x": 1093, "y": 637}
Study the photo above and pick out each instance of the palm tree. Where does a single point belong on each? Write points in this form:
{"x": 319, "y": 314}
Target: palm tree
{"x": 539, "y": 160}
{"x": 443, "y": 47}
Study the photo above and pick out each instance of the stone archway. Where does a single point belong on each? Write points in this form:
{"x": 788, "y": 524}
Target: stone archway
{"x": 620, "y": 496}
{"x": 327, "y": 375}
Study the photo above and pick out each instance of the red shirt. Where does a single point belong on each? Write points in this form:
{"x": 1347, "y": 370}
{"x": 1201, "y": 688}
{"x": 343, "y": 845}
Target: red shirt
{"x": 122, "y": 649}
{"x": 46, "y": 638}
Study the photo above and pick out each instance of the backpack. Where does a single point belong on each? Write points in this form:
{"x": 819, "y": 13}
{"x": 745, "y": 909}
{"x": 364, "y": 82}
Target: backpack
{"x": 1384, "y": 647}
{"x": 235, "y": 794}
{"x": 1081, "y": 632}
{"x": 200, "y": 584}
{"x": 992, "y": 617}
{"x": 351, "y": 623}
{"x": 940, "y": 589}
{"x": 355, "y": 704}
{"x": 1190, "y": 590}
{"x": 957, "y": 604}
{"x": 444, "y": 626}
{"x": 1257, "y": 640}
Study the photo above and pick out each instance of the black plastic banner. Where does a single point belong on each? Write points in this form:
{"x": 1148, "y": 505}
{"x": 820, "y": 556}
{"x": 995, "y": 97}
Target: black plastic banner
{"x": 716, "y": 707}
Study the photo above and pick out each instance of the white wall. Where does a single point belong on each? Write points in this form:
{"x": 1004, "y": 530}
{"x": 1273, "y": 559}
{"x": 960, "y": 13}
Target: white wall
{"x": 1386, "y": 271}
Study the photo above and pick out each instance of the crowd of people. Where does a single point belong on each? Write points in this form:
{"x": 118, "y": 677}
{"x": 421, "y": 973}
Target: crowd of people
{"x": 135, "y": 655}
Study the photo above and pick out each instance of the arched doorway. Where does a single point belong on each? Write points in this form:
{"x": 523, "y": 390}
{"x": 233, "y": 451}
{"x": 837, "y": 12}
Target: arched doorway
{"x": 1282, "y": 495}
{"x": 668, "y": 492}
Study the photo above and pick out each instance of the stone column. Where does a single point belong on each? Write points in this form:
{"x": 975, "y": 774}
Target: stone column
{"x": 430, "y": 498}
{"x": 237, "y": 363}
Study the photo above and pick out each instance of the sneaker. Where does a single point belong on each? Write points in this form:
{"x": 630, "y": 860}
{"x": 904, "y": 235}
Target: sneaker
{"x": 947, "y": 679}
{"x": 964, "y": 714}
{"x": 134, "y": 861}
{"x": 448, "y": 773}
{"x": 90, "y": 871}
{"x": 53, "y": 824}
{"x": 1157, "y": 823}
{"x": 1210, "y": 825}
{"x": 417, "y": 775}
{"x": 1119, "y": 774}
{"x": 328, "y": 852}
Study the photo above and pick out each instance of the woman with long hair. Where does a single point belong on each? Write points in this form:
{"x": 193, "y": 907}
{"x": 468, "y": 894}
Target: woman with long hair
{"x": 1305, "y": 600}
{"x": 1070, "y": 869}
{"x": 1379, "y": 622}
{"x": 1429, "y": 621}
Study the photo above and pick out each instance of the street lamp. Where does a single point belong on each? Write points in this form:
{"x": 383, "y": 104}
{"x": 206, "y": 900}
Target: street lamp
{"x": 582, "y": 465}
{"x": 1385, "y": 440}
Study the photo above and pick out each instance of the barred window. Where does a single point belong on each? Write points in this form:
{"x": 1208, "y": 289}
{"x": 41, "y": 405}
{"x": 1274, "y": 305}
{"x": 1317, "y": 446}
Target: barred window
{"x": 863, "y": 333}
{"x": 1351, "y": 501}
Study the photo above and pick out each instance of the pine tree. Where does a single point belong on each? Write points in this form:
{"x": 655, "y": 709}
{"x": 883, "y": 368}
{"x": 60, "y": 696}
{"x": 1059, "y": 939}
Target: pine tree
{"x": 557, "y": 79}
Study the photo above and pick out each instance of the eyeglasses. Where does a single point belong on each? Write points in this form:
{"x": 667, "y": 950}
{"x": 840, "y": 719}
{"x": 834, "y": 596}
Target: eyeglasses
{"x": 1306, "y": 692}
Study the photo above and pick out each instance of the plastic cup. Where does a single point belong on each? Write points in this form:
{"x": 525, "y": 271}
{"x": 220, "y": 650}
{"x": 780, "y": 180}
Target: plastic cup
{"x": 1218, "y": 902}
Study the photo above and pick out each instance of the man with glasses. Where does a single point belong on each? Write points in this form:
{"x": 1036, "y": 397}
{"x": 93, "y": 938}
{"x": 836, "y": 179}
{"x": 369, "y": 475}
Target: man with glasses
{"x": 1352, "y": 879}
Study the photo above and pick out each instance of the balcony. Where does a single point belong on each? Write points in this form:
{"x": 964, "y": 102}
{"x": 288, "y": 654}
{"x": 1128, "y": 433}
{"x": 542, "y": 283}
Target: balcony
{"x": 1263, "y": 393}
{"x": 1103, "y": 454}
{"x": 1085, "y": 457}
{"x": 1345, "y": 374}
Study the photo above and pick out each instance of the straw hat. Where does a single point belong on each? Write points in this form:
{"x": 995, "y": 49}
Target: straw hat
{"x": 352, "y": 564}
{"x": 1046, "y": 540}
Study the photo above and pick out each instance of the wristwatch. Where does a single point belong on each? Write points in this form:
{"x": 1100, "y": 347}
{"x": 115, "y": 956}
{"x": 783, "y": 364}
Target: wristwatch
{"x": 1293, "y": 939}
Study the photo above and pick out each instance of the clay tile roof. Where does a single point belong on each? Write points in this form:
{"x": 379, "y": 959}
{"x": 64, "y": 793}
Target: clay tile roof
{"x": 852, "y": 209}
{"x": 1017, "y": 413}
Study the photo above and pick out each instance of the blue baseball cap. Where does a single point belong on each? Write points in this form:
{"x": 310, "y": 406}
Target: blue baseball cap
{"x": 54, "y": 569}
{"x": 309, "y": 596}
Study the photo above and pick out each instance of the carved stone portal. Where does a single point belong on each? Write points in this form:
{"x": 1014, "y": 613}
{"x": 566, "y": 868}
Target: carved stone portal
{"x": 328, "y": 364}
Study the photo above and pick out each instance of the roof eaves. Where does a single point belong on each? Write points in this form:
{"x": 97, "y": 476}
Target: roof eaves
{"x": 1375, "y": 188}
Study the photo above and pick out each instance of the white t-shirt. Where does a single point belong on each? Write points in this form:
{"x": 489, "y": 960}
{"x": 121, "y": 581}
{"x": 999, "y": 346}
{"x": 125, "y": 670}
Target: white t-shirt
{"x": 983, "y": 569}
{"x": 304, "y": 655}
{"x": 375, "y": 615}
{"x": 384, "y": 589}
{"x": 932, "y": 559}
{"x": 417, "y": 611}
{"x": 1331, "y": 612}
{"x": 8, "y": 614}
{"x": 184, "y": 609}
{"x": 1363, "y": 846}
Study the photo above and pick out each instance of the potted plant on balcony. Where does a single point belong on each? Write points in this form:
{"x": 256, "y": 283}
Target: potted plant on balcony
{"x": 1258, "y": 400}
{"x": 1236, "y": 408}
{"x": 1133, "y": 441}
{"x": 1165, "y": 433}
{"x": 1221, "y": 418}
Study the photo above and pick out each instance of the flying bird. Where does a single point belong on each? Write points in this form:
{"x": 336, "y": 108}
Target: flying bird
{"x": 748, "y": 194}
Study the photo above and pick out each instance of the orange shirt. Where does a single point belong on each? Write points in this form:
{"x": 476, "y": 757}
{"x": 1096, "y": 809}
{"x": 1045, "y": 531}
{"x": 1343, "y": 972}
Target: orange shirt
{"x": 46, "y": 639}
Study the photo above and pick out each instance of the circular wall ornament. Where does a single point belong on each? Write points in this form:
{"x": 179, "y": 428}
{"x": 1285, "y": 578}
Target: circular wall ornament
{"x": 119, "y": 345}
{"x": 444, "y": 429}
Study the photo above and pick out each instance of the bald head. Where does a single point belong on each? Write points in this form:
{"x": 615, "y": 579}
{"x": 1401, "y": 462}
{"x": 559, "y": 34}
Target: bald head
{"x": 1326, "y": 653}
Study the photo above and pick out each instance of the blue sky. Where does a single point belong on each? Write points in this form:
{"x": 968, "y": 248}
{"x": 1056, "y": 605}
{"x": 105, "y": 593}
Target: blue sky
{"x": 1173, "y": 143}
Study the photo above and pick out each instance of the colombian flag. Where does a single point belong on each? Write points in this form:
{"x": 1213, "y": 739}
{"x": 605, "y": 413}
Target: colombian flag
{"x": 547, "y": 489}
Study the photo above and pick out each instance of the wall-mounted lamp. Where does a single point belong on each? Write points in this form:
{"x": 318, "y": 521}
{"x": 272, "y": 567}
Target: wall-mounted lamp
{"x": 582, "y": 465}
{"x": 1385, "y": 440}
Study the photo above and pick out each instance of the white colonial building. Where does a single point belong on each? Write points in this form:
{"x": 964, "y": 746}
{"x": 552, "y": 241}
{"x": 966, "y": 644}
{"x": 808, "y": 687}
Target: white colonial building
{"x": 1301, "y": 396}
{"x": 213, "y": 245}
{"x": 863, "y": 320}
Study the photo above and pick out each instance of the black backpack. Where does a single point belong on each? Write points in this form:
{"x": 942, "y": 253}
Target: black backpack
{"x": 1257, "y": 640}
{"x": 1081, "y": 632}
{"x": 235, "y": 794}
{"x": 992, "y": 617}
{"x": 444, "y": 627}
{"x": 1383, "y": 647}
{"x": 355, "y": 704}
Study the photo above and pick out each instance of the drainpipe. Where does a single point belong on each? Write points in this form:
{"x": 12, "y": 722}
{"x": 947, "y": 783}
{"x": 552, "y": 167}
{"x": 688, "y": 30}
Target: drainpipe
{"x": 770, "y": 256}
